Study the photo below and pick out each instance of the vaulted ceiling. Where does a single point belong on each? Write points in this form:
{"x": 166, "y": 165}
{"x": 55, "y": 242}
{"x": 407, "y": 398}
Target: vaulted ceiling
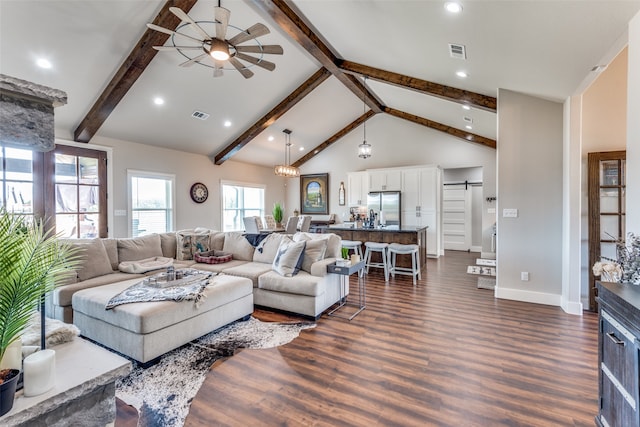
{"x": 102, "y": 57}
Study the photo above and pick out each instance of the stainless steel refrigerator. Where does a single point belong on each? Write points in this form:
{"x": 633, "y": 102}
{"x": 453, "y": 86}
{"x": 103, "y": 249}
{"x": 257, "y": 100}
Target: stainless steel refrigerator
{"x": 387, "y": 205}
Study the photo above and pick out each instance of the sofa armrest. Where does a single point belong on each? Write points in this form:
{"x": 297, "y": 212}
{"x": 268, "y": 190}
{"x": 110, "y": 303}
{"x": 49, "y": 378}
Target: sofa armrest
{"x": 319, "y": 268}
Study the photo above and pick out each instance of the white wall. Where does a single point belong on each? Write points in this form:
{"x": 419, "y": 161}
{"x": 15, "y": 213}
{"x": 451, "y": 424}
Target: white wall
{"x": 633, "y": 128}
{"x": 188, "y": 169}
{"x": 530, "y": 153}
{"x": 397, "y": 142}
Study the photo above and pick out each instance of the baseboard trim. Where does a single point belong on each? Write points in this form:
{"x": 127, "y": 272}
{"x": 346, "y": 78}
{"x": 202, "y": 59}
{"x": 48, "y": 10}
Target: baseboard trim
{"x": 572, "y": 307}
{"x": 528, "y": 296}
{"x": 488, "y": 255}
{"x": 476, "y": 249}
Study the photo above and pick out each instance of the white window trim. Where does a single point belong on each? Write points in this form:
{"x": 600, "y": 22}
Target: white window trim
{"x": 147, "y": 174}
{"x": 239, "y": 184}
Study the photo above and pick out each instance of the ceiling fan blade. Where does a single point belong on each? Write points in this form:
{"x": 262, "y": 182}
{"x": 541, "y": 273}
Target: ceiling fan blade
{"x": 273, "y": 49}
{"x": 222, "y": 16}
{"x": 238, "y": 65}
{"x": 259, "y": 62}
{"x": 250, "y": 33}
{"x": 171, "y": 33}
{"x": 217, "y": 72}
{"x": 177, "y": 47}
{"x": 193, "y": 60}
{"x": 186, "y": 18}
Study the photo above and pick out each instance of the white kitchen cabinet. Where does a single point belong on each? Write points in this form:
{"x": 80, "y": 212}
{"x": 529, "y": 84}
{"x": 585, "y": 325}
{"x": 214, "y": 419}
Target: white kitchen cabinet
{"x": 357, "y": 188}
{"x": 421, "y": 201}
{"x": 385, "y": 179}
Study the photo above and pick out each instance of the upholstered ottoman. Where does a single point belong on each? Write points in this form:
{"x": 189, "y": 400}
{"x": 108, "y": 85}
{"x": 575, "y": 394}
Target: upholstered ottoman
{"x": 146, "y": 330}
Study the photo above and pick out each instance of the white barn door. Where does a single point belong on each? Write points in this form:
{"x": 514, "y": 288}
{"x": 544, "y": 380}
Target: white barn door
{"x": 456, "y": 217}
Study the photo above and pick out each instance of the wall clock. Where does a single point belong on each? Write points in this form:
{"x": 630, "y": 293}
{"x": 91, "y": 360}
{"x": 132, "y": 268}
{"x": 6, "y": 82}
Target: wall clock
{"x": 199, "y": 192}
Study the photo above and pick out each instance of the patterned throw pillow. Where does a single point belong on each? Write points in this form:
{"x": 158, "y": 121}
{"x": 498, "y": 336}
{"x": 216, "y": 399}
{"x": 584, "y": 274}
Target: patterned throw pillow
{"x": 189, "y": 242}
{"x": 289, "y": 258}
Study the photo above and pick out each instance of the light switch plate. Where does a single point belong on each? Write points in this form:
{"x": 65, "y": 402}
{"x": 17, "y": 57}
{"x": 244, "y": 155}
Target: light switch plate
{"x": 510, "y": 213}
{"x": 120, "y": 212}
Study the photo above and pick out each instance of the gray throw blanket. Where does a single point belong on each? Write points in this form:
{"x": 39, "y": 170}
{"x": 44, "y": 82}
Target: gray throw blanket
{"x": 190, "y": 288}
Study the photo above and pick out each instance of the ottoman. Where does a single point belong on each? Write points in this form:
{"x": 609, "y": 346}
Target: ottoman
{"x": 146, "y": 330}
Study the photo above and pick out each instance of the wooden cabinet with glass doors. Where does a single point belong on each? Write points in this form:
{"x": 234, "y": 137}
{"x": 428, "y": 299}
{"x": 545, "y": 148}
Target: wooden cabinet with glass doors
{"x": 606, "y": 174}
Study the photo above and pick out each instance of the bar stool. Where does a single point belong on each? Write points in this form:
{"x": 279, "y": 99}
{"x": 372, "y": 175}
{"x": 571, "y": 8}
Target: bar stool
{"x": 355, "y": 245}
{"x": 397, "y": 248}
{"x": 371, "y": 247}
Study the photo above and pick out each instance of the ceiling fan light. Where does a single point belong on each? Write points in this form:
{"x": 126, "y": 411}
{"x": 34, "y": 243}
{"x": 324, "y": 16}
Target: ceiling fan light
{"x": 219, "y": 50}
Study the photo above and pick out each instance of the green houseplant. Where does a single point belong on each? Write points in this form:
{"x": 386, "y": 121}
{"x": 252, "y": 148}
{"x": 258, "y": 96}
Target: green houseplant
{"x": 277, "y": 214}
{"x": 32, "y": 261}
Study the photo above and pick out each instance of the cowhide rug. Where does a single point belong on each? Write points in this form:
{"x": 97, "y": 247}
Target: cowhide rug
{"x": 162, "y": 393}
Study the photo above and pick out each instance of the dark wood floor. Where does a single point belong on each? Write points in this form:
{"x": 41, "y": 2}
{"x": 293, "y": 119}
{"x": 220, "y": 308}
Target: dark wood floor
{"x": 441, "y": 353}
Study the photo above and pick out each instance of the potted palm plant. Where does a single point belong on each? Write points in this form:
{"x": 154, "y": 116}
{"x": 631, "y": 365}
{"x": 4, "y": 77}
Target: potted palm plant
{"x": 32, "y": 261}
{"x": 277, "y": 214}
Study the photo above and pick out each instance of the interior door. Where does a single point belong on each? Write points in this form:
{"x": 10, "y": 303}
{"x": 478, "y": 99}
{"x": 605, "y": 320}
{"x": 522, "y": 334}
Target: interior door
{"x": 607, "y": 192}
{"x": 456, "y": 217}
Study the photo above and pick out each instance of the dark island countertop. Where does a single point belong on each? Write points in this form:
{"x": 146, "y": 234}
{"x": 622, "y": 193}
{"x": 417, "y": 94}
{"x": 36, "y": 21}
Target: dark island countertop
{"x": 390, "y": 229}
{"x": 623, "y": 298}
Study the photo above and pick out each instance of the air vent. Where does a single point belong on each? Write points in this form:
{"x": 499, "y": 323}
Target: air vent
{"x": 467, "y": 119}
{"x": 200, "y": 115}
{"x": 457, "y": 51}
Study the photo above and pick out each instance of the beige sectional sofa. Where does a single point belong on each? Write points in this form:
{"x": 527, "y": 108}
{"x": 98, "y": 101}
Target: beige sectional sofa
{"x": 144, "y": 331}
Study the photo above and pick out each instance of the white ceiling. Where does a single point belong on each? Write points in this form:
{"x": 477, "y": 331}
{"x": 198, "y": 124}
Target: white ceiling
{"x": 543, "y": 48}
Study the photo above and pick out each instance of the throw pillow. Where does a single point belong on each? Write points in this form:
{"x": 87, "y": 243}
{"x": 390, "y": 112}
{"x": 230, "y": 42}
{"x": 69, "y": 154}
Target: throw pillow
{"x": 289, "y": 257}
{"x": 137, "y": 248}
{"x": 95, "y": 260}
{"x": 168, "y": 243}
{"x": 313, "y": 251}
{"x": 189, "y": 242}
{"x": 144, "y": 265}
{"x": 236, "y": 244}
{"x": 268, "y": 248}
{"x": 334, "y": 242}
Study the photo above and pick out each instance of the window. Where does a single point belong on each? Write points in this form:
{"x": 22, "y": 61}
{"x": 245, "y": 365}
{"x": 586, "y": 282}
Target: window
{"x": 239, "y": 201}
{"x": 151, "y": 202}
{"x": 79, "y": 192}
{"x": 16, "y": 180}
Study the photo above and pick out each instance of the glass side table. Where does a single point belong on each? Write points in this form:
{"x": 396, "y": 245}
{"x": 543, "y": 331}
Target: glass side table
{"x": 345, "y": 272}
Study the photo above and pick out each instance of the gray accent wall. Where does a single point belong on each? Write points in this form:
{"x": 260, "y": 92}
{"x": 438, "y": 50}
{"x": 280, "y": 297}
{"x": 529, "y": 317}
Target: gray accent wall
{"x": 633, "y": 128}
{"x": 529, "y": 179}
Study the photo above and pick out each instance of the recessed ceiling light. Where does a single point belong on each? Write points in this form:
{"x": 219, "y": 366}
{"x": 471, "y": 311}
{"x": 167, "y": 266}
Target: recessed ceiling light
{"x": 158, "y": 101}
{"x": 315, "y": 152}
{"x": 227, "y": 124}
{"x": 43, "y": 63}
{"x": 469, "y": 127}
{"x": 271, "y": 138}
{"x": 466, "y": 107}
{"x": 461, "y": 74}
{"x": 453, "y": 7}
{"x": 301, "y": 148}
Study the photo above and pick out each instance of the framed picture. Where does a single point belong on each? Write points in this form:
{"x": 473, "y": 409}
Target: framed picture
{"x": 314, "y": 194}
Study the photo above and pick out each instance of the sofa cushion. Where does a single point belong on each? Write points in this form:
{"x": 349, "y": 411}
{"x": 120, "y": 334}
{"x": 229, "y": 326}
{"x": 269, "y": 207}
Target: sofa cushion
{"x": 168, "y": 244}
{"x": 137, "y": 248}
{"x": 313, "y": 252}
{"x": 62, "y": 294}
{"x": 289, "y": 258}
{"x": 95, "y": 260}
{"x": 238, "y": 246}
{"x": 219, "y": 268}
{"x": 268, "y": 248}
{"x": 216, "y": 240}
{"x": 188, "y": 242}
{"x": 334, "y": 242}
{"x": 250, "y": 270}
{"x": 145, "y": 265}
{"x": 111, "y": 245}
{"x": 302, "y": 284}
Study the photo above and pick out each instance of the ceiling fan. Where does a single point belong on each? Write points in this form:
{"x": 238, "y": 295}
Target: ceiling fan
{"x": 218, "y": 49}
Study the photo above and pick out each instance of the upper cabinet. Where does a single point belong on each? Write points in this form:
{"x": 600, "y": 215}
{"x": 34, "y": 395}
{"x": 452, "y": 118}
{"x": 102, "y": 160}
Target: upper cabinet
{"x": 385, "y": 179}
{"x": 357, "y": 188}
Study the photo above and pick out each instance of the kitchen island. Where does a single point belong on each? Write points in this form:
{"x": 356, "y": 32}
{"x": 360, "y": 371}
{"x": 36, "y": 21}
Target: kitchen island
{"x": 391, "y": 234}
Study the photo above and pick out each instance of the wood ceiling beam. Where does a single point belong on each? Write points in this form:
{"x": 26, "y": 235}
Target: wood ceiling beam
{"x": 268, "y": 119}
{"x": 342, "y": 132}
{"x": 288, "y": 17}
{"x": 467, "y": 136}
{"x": 448, "y": 93}
{"x": 132, "y": 68}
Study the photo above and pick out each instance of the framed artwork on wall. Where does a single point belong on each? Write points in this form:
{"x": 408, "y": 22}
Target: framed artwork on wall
{"x": 314, "y": 194}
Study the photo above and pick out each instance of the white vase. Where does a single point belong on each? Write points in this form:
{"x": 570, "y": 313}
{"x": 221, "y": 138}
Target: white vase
{"x": 39, "y": 372}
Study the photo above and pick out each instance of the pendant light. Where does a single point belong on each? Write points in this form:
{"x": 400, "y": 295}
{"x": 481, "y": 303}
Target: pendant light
{"x": 286, "y": 170}
{"x": 364, "y": 149}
